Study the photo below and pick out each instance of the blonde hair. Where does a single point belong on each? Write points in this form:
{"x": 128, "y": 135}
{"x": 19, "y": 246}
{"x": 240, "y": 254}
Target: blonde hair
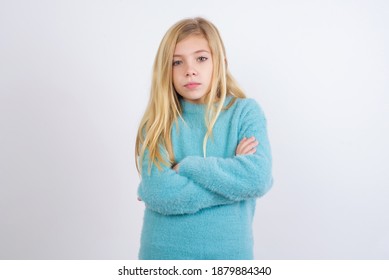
{"x": 164, "y": 108}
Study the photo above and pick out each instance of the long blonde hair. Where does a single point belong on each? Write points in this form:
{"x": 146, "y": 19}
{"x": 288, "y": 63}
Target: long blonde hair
{"x": 164, "y": 108}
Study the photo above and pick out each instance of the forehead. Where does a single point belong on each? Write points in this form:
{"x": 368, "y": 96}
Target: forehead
{"x": 191, "y": 44}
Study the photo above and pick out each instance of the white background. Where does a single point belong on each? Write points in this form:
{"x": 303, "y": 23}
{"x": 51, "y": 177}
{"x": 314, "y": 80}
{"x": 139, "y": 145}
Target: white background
{"x": 74, "y": 83}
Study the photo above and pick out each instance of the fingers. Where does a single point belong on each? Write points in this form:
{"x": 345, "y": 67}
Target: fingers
{"x": 176, "y": 167}
{"x": 247, "y": 146}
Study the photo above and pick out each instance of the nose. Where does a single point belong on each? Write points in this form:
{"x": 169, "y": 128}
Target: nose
{"x": 190, "y": 74}
{"x": 190, "y": 71}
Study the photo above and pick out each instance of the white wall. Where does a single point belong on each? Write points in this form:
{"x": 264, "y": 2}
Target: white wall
{"x": 74, "y": 81}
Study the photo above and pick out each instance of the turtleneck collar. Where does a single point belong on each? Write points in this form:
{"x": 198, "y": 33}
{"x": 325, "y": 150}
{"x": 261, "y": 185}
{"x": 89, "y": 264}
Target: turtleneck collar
{"x": 193, "y": 108}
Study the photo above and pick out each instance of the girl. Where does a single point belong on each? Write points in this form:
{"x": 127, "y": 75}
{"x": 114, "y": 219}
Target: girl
{"x": 202, "y": 151}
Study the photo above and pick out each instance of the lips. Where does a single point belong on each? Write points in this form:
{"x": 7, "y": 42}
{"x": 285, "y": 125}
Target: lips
{"x": 191, "y": 85}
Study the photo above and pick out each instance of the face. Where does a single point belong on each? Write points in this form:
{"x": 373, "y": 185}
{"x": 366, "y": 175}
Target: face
{"x": 192, "y": 68}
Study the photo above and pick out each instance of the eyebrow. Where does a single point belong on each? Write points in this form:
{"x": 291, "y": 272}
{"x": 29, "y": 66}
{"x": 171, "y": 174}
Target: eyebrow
{"x": 199, "y": 51}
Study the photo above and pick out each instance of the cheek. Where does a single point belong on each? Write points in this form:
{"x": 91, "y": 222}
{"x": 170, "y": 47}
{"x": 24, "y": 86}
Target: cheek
{"x": 209, "y": 74}
{"x": 175, "y": 77}
{"x": 210, "y": 70}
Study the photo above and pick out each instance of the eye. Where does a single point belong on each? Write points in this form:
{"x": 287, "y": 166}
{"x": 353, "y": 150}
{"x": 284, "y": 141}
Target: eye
{"x": 202, "y": 58}
{"x": 177, "y": 62}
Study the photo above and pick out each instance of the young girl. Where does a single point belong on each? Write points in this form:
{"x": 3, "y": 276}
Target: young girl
{"x": 202, "y": 150}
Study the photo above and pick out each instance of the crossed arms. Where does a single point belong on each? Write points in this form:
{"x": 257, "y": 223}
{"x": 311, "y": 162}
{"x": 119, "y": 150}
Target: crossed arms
{"x": 196, "y": 182}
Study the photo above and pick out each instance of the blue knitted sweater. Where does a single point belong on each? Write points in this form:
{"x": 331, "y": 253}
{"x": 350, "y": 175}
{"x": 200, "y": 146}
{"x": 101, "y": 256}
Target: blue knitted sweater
{"x": 205, "y": 211}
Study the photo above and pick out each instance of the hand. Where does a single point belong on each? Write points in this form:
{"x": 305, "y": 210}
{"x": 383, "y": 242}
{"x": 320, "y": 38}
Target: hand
{"x": 176, "y": 167}
{"x": 247, "y": 146}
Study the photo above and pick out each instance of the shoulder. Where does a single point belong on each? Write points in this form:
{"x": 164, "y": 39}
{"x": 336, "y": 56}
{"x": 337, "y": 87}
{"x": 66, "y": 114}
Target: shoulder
{"x": 245, "y": 107}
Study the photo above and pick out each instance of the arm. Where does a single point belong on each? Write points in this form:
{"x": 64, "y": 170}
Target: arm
{"x": 242, "y": 176}
{"x": 169, "y": 193}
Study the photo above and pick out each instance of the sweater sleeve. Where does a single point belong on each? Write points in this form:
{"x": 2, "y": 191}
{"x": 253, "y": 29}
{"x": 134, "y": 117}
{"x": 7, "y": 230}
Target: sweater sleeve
{"x": 240, "y": 177}
{"x": 168, "y": 193}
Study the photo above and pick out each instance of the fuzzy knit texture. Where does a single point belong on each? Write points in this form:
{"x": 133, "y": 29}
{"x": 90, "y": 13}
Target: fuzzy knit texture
{"x": 206, "y": 209}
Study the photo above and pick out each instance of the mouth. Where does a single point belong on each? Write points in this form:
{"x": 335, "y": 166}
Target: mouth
{"x": 191, "y": 85}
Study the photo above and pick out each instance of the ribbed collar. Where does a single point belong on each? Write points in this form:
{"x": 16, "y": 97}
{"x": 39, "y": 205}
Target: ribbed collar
{"x": 193, "y": 108}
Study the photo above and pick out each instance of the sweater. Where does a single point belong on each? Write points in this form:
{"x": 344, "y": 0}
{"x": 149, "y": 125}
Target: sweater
{"x": 206, "y": 209}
